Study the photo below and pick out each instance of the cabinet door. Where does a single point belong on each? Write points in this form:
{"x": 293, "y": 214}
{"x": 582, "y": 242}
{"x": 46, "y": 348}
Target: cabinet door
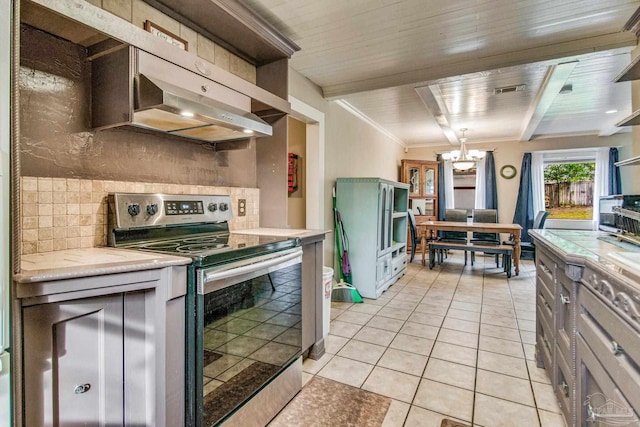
{"x": 390, "y": 212}
{"x": 600, "y": 401}
{"x": 413, "y": 177}
{"x": 385, "y": 206}
{"x": 73, "y": 363}
{"x": 382, "y": 218}
{"x": 430, "y": 181}
{"x": 430, "y": 209}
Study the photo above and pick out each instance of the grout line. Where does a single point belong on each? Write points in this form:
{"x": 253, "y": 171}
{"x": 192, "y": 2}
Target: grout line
{"x": 450, "y": 290}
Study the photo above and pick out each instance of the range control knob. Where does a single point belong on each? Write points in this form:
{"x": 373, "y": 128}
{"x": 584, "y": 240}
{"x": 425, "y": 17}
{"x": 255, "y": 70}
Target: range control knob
{"x": 133, "y": 209}
{"x": 212, "y": 207}
{"x": 152, "y": 209}
{"x": 224, "y": 207}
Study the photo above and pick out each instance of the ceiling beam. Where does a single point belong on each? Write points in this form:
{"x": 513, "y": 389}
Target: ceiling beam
{"x": 555, "y": 78}
{"x": 610, "y": 128}
{"x": 473, "y": 64}
{"x": 433, "y": 100}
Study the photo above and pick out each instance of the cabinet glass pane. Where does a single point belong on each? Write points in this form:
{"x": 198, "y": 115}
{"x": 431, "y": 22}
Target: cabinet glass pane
{"x": 430, "y": 182}
{"x": 429, "y": 207}
{"x": 414, "y": 181}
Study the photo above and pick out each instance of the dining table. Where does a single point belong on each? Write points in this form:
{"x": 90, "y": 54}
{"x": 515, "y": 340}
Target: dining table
{"x": 429, "y": 231}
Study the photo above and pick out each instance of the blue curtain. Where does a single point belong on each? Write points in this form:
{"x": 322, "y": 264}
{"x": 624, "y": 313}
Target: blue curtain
{"x": 442, "y": 202}
{"x": 491, "y": 192}
{"x": 615, "y": 185}
{"x": 524, "y": 205}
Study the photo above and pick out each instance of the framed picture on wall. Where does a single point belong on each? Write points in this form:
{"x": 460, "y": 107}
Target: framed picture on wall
{"x": 166, "y": 35}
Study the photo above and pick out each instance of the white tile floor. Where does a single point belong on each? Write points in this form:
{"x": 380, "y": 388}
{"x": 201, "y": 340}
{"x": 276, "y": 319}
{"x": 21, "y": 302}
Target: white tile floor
{"x": 453, "y": 342}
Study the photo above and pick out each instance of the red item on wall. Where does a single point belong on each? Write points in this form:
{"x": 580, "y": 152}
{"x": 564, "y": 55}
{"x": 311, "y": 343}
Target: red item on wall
{"x": 292, "y": 176}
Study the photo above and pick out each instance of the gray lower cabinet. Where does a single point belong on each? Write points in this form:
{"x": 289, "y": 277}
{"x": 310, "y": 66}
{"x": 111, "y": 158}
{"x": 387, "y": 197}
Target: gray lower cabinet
{"x": 103, "y": 351}
{"x": 556, "y": 287}
{"x": 588, "y": 330}
{"x": 74, "y": 362}
{"x": 608, "y": 354}
{"x": 545, "y": 311}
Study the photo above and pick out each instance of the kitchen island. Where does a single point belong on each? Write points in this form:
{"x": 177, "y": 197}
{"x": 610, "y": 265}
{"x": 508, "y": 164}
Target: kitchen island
{"x": 588, "y": 323}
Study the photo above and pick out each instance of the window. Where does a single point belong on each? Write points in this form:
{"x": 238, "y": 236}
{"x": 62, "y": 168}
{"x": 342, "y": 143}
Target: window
{"x": 569, "y": 188}
{"x": 464, "y": 188}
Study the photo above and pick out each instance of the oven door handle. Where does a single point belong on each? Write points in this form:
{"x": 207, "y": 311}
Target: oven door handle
{"x": 246, "y": 269}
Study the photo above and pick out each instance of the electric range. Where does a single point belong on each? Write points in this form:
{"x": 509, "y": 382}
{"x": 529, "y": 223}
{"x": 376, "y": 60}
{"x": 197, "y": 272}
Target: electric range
{"x": 243, "y": 304}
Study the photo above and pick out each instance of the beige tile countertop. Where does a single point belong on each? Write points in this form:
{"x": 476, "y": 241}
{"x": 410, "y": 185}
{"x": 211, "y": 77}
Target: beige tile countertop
{"x": 73, "y": 263}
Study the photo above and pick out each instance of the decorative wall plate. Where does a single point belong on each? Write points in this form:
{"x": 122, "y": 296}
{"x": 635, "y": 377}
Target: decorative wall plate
{"x": 508, "y": 171}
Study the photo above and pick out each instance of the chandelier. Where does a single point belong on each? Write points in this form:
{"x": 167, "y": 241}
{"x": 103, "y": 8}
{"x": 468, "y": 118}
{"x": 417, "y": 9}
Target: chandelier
{"x": 463, "y": 159}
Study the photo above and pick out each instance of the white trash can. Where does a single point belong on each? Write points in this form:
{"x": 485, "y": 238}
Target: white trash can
{"x": 327, "y": 285}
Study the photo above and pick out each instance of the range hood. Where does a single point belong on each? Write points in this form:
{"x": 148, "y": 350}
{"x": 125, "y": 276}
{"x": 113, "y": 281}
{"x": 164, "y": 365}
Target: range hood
{"x": 131, "y": 87}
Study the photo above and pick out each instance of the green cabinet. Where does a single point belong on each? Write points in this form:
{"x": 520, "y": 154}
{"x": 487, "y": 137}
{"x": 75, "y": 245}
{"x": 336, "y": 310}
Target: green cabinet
{"x": 374, "y": 213}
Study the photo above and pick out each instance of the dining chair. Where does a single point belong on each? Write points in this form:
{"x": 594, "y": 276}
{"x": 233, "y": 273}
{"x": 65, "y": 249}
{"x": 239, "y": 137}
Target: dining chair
{"x": 454, "y": 215}
{"x": 488, "y": 216}
{"x": 528, "y": 248}
{"x": 415, "y": 238}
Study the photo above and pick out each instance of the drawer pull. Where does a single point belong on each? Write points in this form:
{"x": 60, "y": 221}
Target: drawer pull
{"x": 83, "y": 388}
{"x": 617, "y": 348}
{"x": 565, "y": 299}
{"x": 545, "y": 268}
{"x": 591, "y": 415}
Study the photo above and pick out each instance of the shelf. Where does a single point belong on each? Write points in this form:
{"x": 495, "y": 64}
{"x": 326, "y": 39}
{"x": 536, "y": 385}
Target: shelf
{"x": 397, "y": 246}
{"x": 629, "y": 162}
{"x": 632, "y": 120}
{"x": 237, "y": 28}
{"x": 631, "y": 72}
{"x": 399, "y": 215}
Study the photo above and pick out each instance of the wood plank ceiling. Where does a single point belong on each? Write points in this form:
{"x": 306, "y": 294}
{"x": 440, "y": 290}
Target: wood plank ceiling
{"x": 396, "y": 61}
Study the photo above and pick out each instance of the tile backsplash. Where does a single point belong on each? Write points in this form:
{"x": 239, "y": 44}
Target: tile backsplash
{"x": 65, "y": 213}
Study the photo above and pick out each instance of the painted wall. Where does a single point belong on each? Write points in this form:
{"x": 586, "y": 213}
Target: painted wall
{"x": 56, "y": 139}
{"x": 510, "y": 153}
{"x": 352, "y": 148}
{"x": 296, "y": 143}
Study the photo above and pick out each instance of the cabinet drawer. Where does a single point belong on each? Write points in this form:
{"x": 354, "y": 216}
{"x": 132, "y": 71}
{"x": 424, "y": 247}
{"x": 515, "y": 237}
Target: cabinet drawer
{"x": 600, "y": 400}
{"x": 564, "y": 313}
{"x": 398, "y": 263}
{"x": 613, "y": 342}
{"x": 563, "y": 385}
{"x": 545, "y": 270}
{"x": 545, "y": 302}
{"x": 545, "y": 345}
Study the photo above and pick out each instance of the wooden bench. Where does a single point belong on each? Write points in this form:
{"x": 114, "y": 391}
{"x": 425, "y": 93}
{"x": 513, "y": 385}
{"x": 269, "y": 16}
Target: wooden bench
{"x": 505, "y": 250}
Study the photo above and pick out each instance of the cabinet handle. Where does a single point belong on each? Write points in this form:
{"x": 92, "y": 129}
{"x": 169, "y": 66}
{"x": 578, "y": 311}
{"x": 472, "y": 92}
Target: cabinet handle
{"x": 565, "y": 388}
{"x": 83, "y": 388}
{"x": 591, "y": 416}
{"x": 565, "y": 299}
{"x": 617, "y": 348}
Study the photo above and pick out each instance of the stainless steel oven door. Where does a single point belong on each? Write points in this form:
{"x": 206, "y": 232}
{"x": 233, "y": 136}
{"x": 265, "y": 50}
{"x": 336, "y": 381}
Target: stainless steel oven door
{"x": 248, "y": 330}
{"x": 214, "y": 278}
